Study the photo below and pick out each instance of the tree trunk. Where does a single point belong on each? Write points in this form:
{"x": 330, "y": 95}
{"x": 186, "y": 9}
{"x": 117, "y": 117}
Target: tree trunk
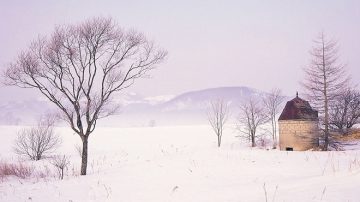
{"x": 219, "y": 140}
{"x": 326, "y": 104}
{"x": 273, "y": 124}
{"x": 84, "y": 155}
{"x": 326, "y": 141}
{"x": 253, "y": 140}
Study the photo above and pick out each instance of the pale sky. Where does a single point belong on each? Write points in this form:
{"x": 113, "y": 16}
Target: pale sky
{"x": 260, "y": 44}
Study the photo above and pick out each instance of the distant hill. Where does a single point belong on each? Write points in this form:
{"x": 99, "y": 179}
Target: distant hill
{"x": 136, "y": 110}
{"x": 199, "y": 99}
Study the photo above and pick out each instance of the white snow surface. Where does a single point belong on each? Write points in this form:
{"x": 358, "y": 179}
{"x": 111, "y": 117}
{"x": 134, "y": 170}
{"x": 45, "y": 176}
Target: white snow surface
{"x": 183, "y": 163}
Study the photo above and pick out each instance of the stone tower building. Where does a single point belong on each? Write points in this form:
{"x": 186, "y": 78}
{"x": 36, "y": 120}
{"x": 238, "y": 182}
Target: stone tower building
{"x": 298, "y": 126}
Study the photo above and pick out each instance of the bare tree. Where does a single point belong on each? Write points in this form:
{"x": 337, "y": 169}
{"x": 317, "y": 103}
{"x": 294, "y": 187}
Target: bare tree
{"x": 252, "y": 116}
{"x": 218, "y": 115}
{"x": 325, "y": 78}
{"x": 272, "y": 103}
{"x": 37, "y": 141}
{"x": 345, "y": 111}
{"x": 80, "y": 67}
{"x": 60, "y": 162}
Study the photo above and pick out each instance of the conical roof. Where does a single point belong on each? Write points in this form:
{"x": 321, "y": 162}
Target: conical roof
{"x": 298, "y": 109}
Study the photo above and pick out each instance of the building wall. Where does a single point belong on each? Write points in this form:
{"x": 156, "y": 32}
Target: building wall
{"x": 300, "y": 135}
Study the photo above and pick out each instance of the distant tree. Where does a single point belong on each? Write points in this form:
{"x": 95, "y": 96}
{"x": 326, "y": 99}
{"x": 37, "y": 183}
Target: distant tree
{"x": 252, "y": 116}
{"x": 37, "y": 141}
{"x": 325, "y": 79}
{"x": 218, "y": 115}
{"x": 345, "y": 111}
{"x": 272, "y": 103}
{"x": 152, "y": 123}
{"x": 80, "y": 68}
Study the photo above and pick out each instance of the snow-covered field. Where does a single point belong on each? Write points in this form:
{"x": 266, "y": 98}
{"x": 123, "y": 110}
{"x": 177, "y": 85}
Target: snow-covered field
{"x": 183, "y": 163}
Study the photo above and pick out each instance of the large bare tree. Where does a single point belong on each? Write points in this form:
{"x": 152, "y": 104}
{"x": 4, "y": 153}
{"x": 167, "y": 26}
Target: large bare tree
{"x": 272, "y": 103}
{"x": 325, "y": 78}
{"x": 218, "y": 114}
{"x": 252, "y": 116}
{"x": 80, "y": 67}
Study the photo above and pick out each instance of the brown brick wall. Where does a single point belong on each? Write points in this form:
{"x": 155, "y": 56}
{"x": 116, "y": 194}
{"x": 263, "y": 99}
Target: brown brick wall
{"x": 300, "y": 135}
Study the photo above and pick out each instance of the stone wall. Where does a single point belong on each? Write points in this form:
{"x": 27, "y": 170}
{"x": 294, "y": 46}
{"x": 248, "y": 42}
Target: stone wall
{"x": 300, "y": 135}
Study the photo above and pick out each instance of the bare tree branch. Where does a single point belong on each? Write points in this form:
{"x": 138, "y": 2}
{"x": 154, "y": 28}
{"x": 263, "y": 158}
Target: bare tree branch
{"x": 272, "y": 103}
{"x": 252, "y": 116}
{"x": 345, "y": 111}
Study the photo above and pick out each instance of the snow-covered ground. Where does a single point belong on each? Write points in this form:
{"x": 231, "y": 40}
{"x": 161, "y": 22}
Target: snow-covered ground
{"x": 183, "y": 163}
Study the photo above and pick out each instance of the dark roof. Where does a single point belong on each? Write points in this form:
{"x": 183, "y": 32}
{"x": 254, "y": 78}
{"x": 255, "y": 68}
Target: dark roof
{"x": 298, "y": 108}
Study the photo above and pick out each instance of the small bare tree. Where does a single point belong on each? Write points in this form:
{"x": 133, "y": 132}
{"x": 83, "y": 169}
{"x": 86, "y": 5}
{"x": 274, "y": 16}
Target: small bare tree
{"x": 218, "y": 115}
{"x": 80, "y": 68}
{"x": 272, "y": 103}
{"x": 61, "y": 163}
{"x": 37, "y": 141}
{"x": 252, "y": 116}
{"x": 325, "y": 78}
{"x": 345, "y": 111}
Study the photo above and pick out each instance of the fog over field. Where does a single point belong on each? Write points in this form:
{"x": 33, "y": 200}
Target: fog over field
{"x": 136, "y": 110}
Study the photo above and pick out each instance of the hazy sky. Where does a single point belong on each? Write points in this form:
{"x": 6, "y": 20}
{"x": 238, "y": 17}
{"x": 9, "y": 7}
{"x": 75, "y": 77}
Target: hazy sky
{"x": 260, "y": 44}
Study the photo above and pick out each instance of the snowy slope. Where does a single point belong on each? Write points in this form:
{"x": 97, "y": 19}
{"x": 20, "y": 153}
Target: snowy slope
{"x": 183, "y": 163}
{"x": 200, "y": 99}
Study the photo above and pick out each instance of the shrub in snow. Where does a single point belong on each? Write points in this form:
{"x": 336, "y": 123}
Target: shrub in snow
{"x": 37, "y": 141}
{"x": 264, "y": 142}
{"x": 19, "y": 170}
{"x": 61, "y": 163}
